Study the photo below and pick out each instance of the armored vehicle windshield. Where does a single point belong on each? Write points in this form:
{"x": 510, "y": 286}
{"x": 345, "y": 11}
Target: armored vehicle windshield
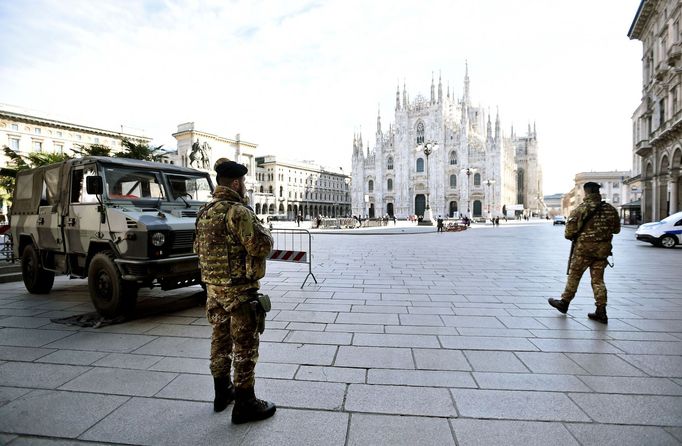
{"x": 139, "y": 185}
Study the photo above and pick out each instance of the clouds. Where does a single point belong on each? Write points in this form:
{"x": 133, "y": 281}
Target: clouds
{"x": 299, "y": 78}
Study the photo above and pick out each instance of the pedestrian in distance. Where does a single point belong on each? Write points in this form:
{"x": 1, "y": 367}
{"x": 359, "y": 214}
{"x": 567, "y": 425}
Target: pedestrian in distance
{"x": 590, "y": 227}
{"x": 232, "y": 246}
{"x": 439, "y": 224}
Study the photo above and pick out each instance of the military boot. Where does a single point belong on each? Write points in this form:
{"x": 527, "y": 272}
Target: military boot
{"x": 224, "y": 393}
{"x": 249, "y": 408}
{"x": 599, "y": 315}
{"x": 559, "y": 304}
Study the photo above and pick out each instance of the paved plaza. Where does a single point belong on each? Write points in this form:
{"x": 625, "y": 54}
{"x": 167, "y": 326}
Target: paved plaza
{"x": 410, "y": 337}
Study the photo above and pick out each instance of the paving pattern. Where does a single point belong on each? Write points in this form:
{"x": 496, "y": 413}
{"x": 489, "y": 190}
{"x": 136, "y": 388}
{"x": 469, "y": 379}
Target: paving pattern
{"x": 409, "y": 337}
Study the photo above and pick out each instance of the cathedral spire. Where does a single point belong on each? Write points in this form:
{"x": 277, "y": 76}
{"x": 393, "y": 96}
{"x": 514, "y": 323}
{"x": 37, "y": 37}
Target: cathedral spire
{"x": 497, "y": 125}
{"x": 440, "y": 89}
{"x": 397, "y": 97}
{"x": 465, "y": 99}
{"x": 404, "y": 96}
{"x": 489, "y": 128}
{"x": 433, "y": 96}
{"x": 378, "y": 120}
{"x": 535, "y": 134}
{"x": 448, "y": 89}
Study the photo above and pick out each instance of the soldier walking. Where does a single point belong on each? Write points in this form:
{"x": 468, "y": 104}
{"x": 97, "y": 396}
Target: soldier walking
{"x": 590, "y": 227}
{"x": 232, "y": 246}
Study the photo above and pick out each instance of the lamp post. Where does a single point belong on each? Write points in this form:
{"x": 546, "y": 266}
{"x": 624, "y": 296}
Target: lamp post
{"x": 491, "y": 197}
{"x": 468, "y": 171}
{"x": 428, "y": 148}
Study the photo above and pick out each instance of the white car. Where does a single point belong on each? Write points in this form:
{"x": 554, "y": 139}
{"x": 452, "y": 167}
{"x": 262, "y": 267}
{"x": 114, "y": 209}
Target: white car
{"x": 666, "y": 233}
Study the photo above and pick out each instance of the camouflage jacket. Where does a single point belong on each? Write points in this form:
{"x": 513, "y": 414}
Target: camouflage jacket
{"x": 594, "y": 238}
{"x": 231, "y": 243}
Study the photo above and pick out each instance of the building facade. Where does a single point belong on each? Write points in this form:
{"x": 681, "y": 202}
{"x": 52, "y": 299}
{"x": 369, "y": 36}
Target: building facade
{"x": 615, "y": 189}
{"x": 200, "y": 150}
{"x": 474, "y": 169}
{"x": 657, "y": 121}
{"x": 24, "y": 131}
{"x": 289, "y": 188}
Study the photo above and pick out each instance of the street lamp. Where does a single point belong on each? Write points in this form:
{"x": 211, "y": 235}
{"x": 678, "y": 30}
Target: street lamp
{"x": 468, "y": 171}
{"x": 491, "y": 197}
{"x": 428, "y": 147}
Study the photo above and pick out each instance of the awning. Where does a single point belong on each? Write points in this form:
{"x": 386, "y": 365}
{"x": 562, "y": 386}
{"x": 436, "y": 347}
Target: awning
{"x": 632, "y": 205}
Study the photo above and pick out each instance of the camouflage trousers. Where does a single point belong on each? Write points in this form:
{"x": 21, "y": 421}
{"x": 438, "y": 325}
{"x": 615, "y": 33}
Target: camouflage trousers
{"x": 575, "y": 272}
{"x": 234, "y": 342}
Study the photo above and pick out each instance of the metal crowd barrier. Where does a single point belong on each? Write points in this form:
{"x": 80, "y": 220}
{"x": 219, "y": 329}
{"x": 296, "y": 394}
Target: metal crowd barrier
{"x": 293, "y": 245}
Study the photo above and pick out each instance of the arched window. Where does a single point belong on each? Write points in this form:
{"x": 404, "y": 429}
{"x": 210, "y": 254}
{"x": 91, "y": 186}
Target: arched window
{"x": 453, "y": 181}
{"x": 389, "y": 184}
{"x": 420, "y": 133}
{"x": 616, "y": 198}
{"x": 453, "y": 158}
{"x": 420, "y": 164}
{"x": 370, "y": 186}
{"x": 281, "y": 191}
{"x": 270, "y": 189}
{"x": 261, "y": 188}
{"x": 281, "y": 208}
{"x": 477, "y": 179}
{"x": 257, "y": 208}
{"x": 390, "y": 163}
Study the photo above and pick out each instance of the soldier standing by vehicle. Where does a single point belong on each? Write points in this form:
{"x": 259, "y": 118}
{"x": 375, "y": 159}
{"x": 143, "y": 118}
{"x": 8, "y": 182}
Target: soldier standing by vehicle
{"x": 590, "y": 227}
{"x": 232, "y": 246}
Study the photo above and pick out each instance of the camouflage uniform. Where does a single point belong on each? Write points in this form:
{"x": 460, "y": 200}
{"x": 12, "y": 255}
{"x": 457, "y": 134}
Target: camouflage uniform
{"x": 592, "y": 246}
{"x": 232, "y": 246}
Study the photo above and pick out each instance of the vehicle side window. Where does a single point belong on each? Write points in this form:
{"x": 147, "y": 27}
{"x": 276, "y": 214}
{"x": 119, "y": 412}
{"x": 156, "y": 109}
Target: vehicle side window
{"x": 24, "y": 187}
{"x": 679, "y": 223}
{"x": 78, "y": 192}
{"x": 50, "y": 192}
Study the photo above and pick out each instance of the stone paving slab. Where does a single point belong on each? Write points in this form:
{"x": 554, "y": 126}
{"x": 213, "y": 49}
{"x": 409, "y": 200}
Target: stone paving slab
{"x": 367, "y": 429}
{"x": 120, "y": 381}
{"x": 470, "y": 432}
{"x": 516, "y": 405}
{"x": 55, "y": 413}
{"x": 631, "y": 409}
{"x": 607, "y": 435}
{"x": 39, "y": 376}
{"x": 399, "y": 400}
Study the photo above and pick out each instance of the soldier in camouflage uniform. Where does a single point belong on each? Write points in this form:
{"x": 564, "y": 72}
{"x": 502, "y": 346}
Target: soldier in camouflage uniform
{"x": 590, "y": 227}
{"x": 232, "y": 246}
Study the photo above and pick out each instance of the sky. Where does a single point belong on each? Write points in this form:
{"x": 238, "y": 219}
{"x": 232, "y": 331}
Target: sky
{"x": 299, "y": 78}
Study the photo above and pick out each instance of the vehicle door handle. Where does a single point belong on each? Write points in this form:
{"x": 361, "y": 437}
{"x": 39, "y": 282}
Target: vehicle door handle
{"x": 41, "y": 220}
{"x": 71, "y": 221}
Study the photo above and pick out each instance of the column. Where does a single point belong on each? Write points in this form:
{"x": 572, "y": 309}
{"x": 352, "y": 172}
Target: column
{"x": 672, "y": 186}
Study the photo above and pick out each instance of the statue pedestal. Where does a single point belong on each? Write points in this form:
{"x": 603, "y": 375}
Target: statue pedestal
{"x": 428, "y": 218}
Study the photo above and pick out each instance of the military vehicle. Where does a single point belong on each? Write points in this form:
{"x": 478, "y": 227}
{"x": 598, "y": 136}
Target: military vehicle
{"x": 122, "y": 223}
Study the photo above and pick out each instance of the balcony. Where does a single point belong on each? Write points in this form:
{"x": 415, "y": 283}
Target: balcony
{"x": 661, "y": 70}
{"x": 643, "y": 148}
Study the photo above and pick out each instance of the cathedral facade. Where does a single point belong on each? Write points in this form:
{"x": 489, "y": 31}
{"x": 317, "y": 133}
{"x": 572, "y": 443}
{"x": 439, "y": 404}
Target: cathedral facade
{"x": 446, "y": 154}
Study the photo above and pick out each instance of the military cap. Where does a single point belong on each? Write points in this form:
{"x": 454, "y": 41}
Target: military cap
{"x": 591, "y": 185}
{"x": 229, "y": 169}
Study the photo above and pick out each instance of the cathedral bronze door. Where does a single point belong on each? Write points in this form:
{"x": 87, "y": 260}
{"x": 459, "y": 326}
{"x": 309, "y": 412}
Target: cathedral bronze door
{"x": 453, "y": 208}
{"x": 419, "y": 205}
{"x": 389, "y": 209}
{"x": 371, "y": 210}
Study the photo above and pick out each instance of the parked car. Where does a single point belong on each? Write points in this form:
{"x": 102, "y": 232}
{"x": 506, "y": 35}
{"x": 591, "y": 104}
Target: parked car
{"x": 559, "y": 220}
{"x": 666, "y": 233}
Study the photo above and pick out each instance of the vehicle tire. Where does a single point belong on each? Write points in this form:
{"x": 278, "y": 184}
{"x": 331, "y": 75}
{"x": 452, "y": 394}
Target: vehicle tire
{"x": 111, "y": 295}
{"x": 668, "y": 241}
{"x": 36, "y": 279}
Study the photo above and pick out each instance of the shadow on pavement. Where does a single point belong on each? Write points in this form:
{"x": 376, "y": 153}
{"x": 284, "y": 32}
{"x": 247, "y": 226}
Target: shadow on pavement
{"x": 146, "y": 307}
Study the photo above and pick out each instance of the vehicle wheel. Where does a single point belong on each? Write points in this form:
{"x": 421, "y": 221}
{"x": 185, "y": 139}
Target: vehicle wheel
{"x": 668, "y": 241}
{"x": 110, "y": 294}
{"x": 36, "y": 279}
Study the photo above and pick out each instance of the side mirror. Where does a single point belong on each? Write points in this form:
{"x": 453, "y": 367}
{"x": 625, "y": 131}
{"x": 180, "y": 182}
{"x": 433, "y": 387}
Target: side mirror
{"x": 94, "y": 185}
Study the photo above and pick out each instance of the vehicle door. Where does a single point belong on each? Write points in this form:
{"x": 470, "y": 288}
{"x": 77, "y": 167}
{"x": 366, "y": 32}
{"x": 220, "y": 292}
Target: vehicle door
{"x": 82, "y": 220}
{"x": 49, "y": 223}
